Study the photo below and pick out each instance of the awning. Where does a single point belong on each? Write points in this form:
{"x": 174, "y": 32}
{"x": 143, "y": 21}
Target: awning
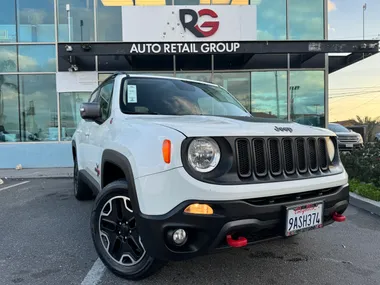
{"x": 114, "y": 56}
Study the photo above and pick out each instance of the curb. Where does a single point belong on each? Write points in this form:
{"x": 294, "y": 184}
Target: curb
{"x": 365, "y": 204}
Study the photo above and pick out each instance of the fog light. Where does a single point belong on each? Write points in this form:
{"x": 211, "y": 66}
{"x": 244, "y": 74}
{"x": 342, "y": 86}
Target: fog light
{"x": 179, "y": 236}
{"x": 201, "y": 209}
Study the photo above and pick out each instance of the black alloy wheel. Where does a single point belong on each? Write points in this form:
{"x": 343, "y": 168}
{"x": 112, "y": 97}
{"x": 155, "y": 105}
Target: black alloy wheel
{"x": 116, "y": 237}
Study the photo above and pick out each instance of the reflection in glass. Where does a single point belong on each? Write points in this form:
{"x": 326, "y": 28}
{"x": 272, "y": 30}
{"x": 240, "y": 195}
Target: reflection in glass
{"x": 8, "y": 21}
{"x": 35, "y": 21}
{"x": 238, "y": 84}
{"x": 271, "y": 19}
{"x": 69, "y": 112}
{"x": 35, "y": 58}
{"x": 306, "y": 20}
{"x": 109, "y": 23}
{"x": 9, "y": 117}
{"x": 8, "y": 59}
{"x": 307, "y": 93}
{"x": 269, "y": 96}
{"x": 81, "y": 19}
{"x": 38, "y": 107}
{"x": 200, "y": 76}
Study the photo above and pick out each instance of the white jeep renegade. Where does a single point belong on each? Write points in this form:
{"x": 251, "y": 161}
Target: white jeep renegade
{"x": 179, "y": 168}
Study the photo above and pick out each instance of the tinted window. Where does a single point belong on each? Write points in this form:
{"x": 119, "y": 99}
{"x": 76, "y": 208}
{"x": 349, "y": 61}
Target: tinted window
{"x": 105, "y": 99}
{"x": 178, "y": 97}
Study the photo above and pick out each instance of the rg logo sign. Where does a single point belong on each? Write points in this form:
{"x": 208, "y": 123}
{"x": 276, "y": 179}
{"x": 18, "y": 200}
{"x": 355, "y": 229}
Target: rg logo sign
{"x": 193, "y": 26}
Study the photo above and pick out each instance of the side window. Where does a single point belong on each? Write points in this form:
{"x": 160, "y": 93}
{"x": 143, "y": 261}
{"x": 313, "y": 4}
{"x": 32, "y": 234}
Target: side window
{"x": 93, "y": 96}
{"x": 105, "y": 97}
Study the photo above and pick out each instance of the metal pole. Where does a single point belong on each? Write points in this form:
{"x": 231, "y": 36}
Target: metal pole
{"x": 364, "y": 8}
{"x": 277, "y": 95}
{"x": 68, "y": 20}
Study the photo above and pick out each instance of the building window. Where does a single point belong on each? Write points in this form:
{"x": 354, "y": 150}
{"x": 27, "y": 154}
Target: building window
{"x": 81, "y": 19}
{"x": 271, "y": 19}
{"x": 306, "y": 21}
{"x": 9, "y": 115}
{"x": 37, "y": 58}
{"x": 200, "y": 76}
{"x": 238, "y": 84}
{"x": 307, "y": 97}
{"x": 35, "y": 21}
{"x": 38, "y": 107}
{"x": 8, "y": 32}
{"x": 109, "y": 24}
{"x": 268, "y": 94}
{"x": 8, "y": 59}
{"x": 69, "y": 112}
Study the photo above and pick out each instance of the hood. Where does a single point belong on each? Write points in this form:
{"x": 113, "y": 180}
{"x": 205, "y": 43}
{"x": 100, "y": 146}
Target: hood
{"x": 213, "y": 126}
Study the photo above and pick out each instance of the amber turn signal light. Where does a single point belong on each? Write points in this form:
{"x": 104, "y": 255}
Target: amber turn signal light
{"x": 166, "y": 150}
{"x": 201, "y": 209}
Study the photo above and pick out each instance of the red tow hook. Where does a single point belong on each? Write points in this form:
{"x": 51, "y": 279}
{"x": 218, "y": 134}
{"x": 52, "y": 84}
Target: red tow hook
{"x": 241, "y": 241}
{"x": 338, "y": 217}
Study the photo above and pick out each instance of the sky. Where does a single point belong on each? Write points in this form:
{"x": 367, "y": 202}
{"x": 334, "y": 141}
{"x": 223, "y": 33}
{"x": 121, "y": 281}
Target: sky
{"x": 355, "y": 90}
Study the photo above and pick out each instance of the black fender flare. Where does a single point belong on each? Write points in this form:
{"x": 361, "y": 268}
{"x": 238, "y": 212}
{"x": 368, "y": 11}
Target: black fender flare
{"x": 123, "y": 163}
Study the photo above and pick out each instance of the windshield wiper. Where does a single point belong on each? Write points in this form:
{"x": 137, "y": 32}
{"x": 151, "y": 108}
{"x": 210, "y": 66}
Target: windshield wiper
{"x": 142, "y": 113}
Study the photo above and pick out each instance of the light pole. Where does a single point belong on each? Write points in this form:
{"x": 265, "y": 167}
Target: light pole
{"x": 68, "y": 20}
{"x": 364, "y": 8}
{"x": 293, "y": 90}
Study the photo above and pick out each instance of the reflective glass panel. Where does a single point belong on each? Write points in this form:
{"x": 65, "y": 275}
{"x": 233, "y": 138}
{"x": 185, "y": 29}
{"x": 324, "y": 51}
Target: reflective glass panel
{"x": 69, "y": 112}
{"x": 80, "y": 15}
{"x": 8, "y": 59}
{"x": 35, "y": 58}
{"x": 35, "y": 21}
{"x": 238, "y": 84}
{"x": 200, "y": 76}
{"x": 38, "y": 99}
{"x": 109, "y": 26}
{"x": 8, "y": 21}
{"x": 307, "y": 93}
{"x": 271, "y": 19}
{"x": 306, "y": 20}
{"x": 9, "y": 115}
{"x": 269, "y": 96}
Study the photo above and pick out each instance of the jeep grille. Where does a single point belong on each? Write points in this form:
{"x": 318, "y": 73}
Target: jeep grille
{"x": 280, "y": 156}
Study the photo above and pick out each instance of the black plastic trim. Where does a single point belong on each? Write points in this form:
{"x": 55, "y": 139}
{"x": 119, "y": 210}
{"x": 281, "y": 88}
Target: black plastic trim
{"x": 256, "y": 222}
{"x": 89, "y": 180}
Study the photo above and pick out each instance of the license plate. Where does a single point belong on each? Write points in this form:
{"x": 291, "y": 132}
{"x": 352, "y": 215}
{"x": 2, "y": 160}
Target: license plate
{"x": 349, "y": 145}
{"x": 303, "y": 218}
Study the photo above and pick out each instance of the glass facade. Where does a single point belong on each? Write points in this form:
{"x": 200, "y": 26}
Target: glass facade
{"x": 31, "y": 109}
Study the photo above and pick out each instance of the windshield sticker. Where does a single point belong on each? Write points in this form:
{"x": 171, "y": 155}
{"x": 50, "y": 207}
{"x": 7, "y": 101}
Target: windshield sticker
{"x": 132, "y": 94}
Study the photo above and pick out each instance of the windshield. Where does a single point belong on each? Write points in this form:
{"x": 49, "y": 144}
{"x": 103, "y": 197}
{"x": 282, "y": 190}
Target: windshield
{"x": 338, "y": 129}
{"x": 163, "y": 96}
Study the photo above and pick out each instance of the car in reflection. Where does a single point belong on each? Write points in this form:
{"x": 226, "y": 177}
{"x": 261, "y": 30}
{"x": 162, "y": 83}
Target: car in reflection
{"x": 348, "y": 140}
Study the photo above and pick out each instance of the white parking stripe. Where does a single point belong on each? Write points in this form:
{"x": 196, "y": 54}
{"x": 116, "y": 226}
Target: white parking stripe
{"x": 14, "y": 185}
{"x": 94, "y": 276}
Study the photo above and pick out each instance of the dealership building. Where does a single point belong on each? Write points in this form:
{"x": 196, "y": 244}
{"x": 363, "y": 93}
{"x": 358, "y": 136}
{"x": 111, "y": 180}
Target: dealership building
{"x": 274, "y": 56}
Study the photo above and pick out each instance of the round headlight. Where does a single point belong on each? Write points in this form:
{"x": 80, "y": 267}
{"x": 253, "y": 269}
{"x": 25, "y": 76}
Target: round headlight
{"x": 203, "y": 154}
{"x": 330, "y": 148}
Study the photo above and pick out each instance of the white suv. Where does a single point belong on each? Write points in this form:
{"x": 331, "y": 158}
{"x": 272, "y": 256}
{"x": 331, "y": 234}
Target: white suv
{"x": 179, "y": 168}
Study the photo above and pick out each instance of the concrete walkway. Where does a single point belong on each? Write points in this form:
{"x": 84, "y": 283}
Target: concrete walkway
{"x": 30, "y": 173}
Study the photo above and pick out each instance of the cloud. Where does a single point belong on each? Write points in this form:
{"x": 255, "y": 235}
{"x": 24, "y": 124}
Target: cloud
{"x": 331, "y": 6}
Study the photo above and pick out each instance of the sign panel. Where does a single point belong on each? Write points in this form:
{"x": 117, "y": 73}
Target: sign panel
{"x": 195, "y": 23}
{"x": 84, "y": 81}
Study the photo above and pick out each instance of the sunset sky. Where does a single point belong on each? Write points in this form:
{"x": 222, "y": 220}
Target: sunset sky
{"x": 355, "y": 90}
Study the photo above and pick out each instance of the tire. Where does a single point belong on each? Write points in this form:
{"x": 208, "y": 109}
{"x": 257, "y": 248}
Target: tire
{"x": 82, "y": 191}
{"x": 122, "y": 232}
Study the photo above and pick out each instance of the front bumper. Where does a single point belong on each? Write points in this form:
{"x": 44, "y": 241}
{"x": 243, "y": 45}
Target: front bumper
{"x": 255, "y": 219}
{"x": 349, "y": 146}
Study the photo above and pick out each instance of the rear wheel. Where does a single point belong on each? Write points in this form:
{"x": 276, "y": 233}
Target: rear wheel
{"x": 116, "y": 237}
{"x": 81, "y": 189}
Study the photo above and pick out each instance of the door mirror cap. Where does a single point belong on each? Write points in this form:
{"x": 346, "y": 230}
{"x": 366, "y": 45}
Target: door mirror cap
{"x": 90, "y": 111}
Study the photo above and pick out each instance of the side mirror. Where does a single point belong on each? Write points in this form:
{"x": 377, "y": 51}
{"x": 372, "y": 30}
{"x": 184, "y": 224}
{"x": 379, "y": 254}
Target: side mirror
{"x": 90, "y": 111}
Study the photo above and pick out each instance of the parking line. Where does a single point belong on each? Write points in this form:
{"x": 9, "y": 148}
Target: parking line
{"x": 95, "y": 274}
{"x": 15, "y": 185}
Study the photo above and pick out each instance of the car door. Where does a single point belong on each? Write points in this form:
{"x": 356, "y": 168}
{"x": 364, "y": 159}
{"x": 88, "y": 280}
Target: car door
{"x": 98, "y": 131}
{"x": 85, "y": 149}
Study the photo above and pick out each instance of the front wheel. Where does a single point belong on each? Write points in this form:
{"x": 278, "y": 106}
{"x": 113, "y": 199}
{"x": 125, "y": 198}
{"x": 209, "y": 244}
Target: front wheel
{"x": 116, "y": 237}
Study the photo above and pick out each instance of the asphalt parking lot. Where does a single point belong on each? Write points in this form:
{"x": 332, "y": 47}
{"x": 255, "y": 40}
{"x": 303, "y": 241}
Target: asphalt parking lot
{"x": 45, "y": 239}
